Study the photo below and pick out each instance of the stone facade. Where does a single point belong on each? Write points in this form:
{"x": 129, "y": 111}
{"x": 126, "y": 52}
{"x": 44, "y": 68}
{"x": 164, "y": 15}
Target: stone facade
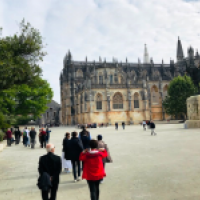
{"x": 109, "y": 92}
{"x": 52, "y": 114}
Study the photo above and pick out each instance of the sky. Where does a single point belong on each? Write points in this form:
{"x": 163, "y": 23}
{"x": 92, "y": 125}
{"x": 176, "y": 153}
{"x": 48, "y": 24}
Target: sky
{"x": 106, "y": 28}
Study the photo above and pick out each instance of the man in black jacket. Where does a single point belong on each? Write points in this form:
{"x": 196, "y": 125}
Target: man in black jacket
{"x": 75, "y": 149}
{"x": 50, "y": 164}
{"x": 152, "y": 126}
{"x": 32, "y": 136}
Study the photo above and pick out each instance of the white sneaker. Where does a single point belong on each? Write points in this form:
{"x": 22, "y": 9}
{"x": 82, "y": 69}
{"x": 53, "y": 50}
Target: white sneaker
{"x": 75, "y": 181}
{"x": 79, "y": 178}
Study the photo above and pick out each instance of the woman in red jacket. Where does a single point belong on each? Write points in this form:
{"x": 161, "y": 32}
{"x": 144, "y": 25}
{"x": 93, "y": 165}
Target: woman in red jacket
{"x": 93, "y": 170}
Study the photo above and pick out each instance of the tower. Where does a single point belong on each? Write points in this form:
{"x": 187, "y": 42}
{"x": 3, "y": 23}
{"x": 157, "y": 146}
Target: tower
{"x": 179, "y": 54}
{"x": 146, "y": 55}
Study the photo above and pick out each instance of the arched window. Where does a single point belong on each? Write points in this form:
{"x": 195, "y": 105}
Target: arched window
{"x": 99, "y": 102}
{"x": 136, "y": 100}
{"x": 117, "y": 101}
{"x": 154, "y": 95}
{"x": 165, "y": 91}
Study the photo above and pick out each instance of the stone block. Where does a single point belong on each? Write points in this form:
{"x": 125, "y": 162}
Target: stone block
{"x": 193, "y": 112}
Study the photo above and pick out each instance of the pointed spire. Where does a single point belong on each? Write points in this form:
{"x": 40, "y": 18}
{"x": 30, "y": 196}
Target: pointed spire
{"x": 179, "y": 55}
{"x": 139, "y": 62}
{"x": 197, "y": 53}
{"x": 69, "y": 55}
{"x": 162, "y": 61}
{"x": 86, "y": 59}
{"x": 126, "y": 60}
{"x": 146, "y": 55}
{"x": 100, "y": 60}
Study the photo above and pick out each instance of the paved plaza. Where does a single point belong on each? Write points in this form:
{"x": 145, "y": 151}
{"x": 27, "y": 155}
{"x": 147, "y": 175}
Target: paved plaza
{"x": 162, "y": 167}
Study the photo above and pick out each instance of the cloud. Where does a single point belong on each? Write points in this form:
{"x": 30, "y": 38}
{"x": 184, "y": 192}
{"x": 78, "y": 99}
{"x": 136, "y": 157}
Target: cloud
{"x": 106, "y": 28}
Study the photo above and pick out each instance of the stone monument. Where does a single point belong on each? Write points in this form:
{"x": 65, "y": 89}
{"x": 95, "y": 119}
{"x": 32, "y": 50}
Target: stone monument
{"x": 193, "y": 112}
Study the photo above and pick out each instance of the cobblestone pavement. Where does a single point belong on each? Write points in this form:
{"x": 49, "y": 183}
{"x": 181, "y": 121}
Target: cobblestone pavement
{"x": 162, "y": 167}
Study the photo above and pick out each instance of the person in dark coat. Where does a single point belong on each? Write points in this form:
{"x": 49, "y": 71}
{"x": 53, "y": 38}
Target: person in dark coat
{"x": 85, "y": 137}
{"x": 75, "y": 149}
{"x": 123, "y": 125}
{"x": 116, "y": 126}
{"x": 32, "y": 136}
{"x": 152, "y": 127}
{"x": 51, "y": 164}
{"x": 17, "y": 135}
{"x": 66, "y": 162}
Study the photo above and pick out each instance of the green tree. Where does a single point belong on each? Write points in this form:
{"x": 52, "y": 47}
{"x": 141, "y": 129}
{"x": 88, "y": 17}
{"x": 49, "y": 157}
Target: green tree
{"x": 32, "y": 100}
{"x": 19, "y": 57}
{"x": 23, "y": 102}
{"x": 22, "y": 91}
{"x": 180, "y": 88}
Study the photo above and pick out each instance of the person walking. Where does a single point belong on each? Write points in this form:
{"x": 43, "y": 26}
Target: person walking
{"x": 75, "y": 149}
{"x": 123, "y": 125}
{"x": 48, "y": 135}
{"x": 93, "y": 170}
{"x": 144, "y": 125}
{"x": 32, "y": 137}
{"x": 85, "y": 137}
{"x": 66, "y": 162}
{"x": 50, "y": 165}
{"x": 102, "y": 144}
{"x": 17, "y": 135}
{"x": 28, "y": 143}
{"x": 116, "y": 126}
{"x": 25, "y": 137}
{"x": 153, "y": 126}
{"x": 9, "y": 137}
{"x": 43, "y": 138}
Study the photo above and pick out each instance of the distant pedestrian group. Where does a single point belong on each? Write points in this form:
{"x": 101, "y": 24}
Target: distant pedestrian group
{"x": 151, "y": 125}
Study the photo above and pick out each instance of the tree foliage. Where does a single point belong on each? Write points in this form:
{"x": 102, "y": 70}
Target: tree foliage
{"x": 19, "y": 57}
{"x": 33, "y": 99}
{"x": 180, "y": 88}
{"x": 23, "y": 93}
{"x": 24, "y": 102}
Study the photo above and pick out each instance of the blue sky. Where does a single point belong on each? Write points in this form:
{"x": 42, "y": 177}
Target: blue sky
{"x": 106, "y": 28}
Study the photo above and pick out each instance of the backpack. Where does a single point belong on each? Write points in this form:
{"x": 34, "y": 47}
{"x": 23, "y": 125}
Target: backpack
{"x": 24, "y": 133}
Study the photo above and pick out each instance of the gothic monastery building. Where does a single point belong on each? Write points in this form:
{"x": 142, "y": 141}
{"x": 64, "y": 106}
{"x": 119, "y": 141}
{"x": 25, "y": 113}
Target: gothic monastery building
{"x": 109, "y": 92}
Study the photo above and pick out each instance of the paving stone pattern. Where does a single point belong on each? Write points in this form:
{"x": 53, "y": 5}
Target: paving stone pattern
{"x": 162, "y": 167}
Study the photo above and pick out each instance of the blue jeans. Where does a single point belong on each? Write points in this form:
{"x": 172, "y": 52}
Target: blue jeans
{"x": 28, "y": 141}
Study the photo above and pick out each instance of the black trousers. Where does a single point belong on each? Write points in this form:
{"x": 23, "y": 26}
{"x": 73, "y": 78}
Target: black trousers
{"x": 94, "y": 189}
{"x": 16, "y": 139}
{"x": 53, "y": 192}
{"x": 9, "y": 142}
{"x": 32, "y": 143}
{"x": 74, "y": 163}
{"x": 43, "y": 141}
